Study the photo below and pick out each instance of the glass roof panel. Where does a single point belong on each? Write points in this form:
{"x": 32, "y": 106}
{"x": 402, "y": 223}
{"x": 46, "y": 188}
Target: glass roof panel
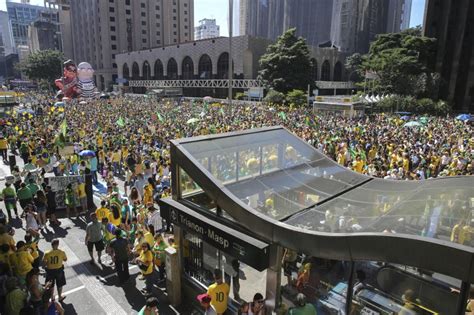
{"x": 430, "y": 208}
{"x": 272, "y": 171}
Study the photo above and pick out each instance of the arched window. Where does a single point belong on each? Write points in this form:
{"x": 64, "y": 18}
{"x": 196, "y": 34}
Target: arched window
{"x": 205, "y": 67}
{"x": 314, "y": 69}
{"x": 158, "y": 70}
{"x": 337, "y": 71}
{"x": 223, "y": 66}
{"x": 326, "y": 71}
{"x": 135, "y": 71}
{"x": 187, "y": 68}
{"x": 146, "y": 71}
{"x": 172, "y": 69}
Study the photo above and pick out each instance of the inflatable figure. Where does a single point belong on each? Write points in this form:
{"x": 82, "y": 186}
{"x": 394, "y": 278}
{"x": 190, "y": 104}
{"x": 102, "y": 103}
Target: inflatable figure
{"x": 86, "y": 84}
{"x": 67, "y": 84}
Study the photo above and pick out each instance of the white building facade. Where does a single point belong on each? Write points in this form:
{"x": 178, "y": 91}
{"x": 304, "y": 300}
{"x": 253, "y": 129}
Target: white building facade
{"x": 207, "y": 28}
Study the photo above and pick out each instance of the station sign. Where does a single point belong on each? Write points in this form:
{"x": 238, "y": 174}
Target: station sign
{"x": 243, "y": 247}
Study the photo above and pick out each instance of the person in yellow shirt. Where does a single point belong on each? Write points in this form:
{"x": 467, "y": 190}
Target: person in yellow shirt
{"x": 115, "y": 215}
{"x": 103, "y": 211}
{"x": 23, "y": 261}
{"x": 149, "y": 238}
{"x": 3, "y": 147}
{"x": 148, "y": 194}
{"x": 145, "y": 263}
{"x": 219, "y": 292}
{"x": 358, "y": 165}
{"x": 53, "y": 261}
{"x": 81, "y": 195}
{"x": 6, "y": 238}
{"x": 32, "y": 246}
{"x": 5, "y": 257}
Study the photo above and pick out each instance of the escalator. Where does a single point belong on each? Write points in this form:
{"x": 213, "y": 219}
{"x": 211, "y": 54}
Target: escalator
{"x": 430, "y": 293}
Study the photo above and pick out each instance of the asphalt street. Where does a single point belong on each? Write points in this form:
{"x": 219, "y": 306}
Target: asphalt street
{"x": 91, "y": 288}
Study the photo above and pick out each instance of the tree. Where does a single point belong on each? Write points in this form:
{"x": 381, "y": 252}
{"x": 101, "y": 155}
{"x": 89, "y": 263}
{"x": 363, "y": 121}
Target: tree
{"x": 399, "y": 61}
{"x": 274, "y": 97}
{"x": 353, "y": 65}
{"x": 43, "y": 65}
{"x": 297, "y": 98}
{"x": 286, "y": 64}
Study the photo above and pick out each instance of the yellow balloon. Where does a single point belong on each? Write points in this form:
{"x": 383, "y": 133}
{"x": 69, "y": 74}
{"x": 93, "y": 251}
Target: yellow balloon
{"x": 8, "y": 113}
{"x": 17, "y": 128}
{"x": 52, "y": 108}
{"x": 20, "y": 132}
{"x": 61, "y": 109}
{"x": 9, "y": 123}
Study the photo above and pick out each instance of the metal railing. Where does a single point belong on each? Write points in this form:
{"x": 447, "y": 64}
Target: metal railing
{"x": 213, "y": 83}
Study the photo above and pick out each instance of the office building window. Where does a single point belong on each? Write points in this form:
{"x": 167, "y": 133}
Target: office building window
{"x": 174, "y": 18}
{"x": 114, "y": 47}
{"x": 142, "y": 5}
{"x": 185, "y": 12}
{"x": 112, "y": 19}
{"x": 185, "y": 5}
{"x": 158, "y": 33}
{"x": 174, "y": 25}
{"x": 157, "y": 16}
{"x": 143, "y": 23}
{"x": 113, "y": 56}
{"x": 111, "y": 1}
{"x": 144, "y": 40}
{"x": 143, "y": 14}
{"x": 174, "y": 10}
{"x": 158, "y": 24}
{"x": 112, "y": 28}
{"x": 174, "y": 40}
{"x": 157, "y": 7}
{"x": 113, "y": 37}
{"x": 185, "y": 34}
{"x": 111, "y": 9}
{"x": 114, "y": 65}
{"x": 174, "y": 33}
{"x": 144, "y": 32}
{"x": 158, "y": 42}
{"x": 127, "y": 2}
{"x": 185, "y": 19}
{"x": 128, "y": 12}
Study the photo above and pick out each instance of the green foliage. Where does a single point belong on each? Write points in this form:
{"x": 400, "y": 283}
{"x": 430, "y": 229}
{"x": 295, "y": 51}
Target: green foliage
{"x": 404, "y": 103}
{"x": 286, "y": 65}
{"x": 403, "y": 63}
{"x": 274, "y": 97}
{"x": 354, "y": 67}
{"x": 297, "y": 98}
{"x": 43, "y": 65}
{"x": 239, "y": 96}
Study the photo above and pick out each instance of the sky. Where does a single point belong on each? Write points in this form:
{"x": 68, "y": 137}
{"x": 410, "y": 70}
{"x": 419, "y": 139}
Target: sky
{"x": 218, "y": 9}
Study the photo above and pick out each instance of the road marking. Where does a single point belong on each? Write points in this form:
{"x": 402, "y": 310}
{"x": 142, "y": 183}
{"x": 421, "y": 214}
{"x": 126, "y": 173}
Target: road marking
{"x": 174, "y": 310}
{"x": 72, "y": 291}
{"x": 95, "y": 288}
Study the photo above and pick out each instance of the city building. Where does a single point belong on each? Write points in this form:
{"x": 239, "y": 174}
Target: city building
{"x": 23, "y": 14}
{"x": 7, "y": 46}
{"x": 207, "y": 28}
{"x": 257, "y": 201}
{"x": 270, "y": 18}
{"x": 7, "y": 67}
{"x": 44, "y": 35}
{"x": 209, "y": 59}
{"x": 356, "y": 23}
{"x": 451, "y": 23}
{"x": 65, "y": 30}
{"x": 103, "y": 29}
{"x": 398, "y": 18}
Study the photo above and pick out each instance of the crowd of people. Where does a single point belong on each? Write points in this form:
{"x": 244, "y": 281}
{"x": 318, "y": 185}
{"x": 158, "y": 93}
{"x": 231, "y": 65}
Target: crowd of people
{"x": 127, "y": 140}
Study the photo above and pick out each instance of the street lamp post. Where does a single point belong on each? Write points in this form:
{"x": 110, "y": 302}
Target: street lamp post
{"x": 231, "y": 70}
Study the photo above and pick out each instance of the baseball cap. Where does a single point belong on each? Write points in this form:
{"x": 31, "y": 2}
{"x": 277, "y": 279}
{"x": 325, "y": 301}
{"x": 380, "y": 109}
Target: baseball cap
{"x": 206, "y": 298}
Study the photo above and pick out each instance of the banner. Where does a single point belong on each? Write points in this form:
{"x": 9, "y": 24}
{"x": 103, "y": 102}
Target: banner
{"x": 58, "y": 185}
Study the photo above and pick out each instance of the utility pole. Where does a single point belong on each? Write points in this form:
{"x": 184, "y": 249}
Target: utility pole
{"x": 231, "y": 70}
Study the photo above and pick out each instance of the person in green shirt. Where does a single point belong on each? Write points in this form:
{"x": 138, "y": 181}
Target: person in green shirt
{"x": 24, "y": 195}
{"x": 9, "y": 197}
{"x": 33, "y": 186}
{"x": 16, "y": 298}
{"x": 301, "y": 307}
